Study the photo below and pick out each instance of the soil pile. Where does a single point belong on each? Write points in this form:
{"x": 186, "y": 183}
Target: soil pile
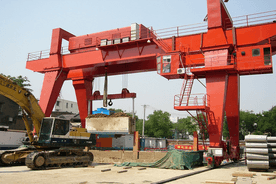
{"x": 118, "y": 114}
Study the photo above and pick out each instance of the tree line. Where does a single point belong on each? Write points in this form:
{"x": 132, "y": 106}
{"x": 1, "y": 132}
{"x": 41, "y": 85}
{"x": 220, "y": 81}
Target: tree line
{"x": 257, "y": 124}
{"x": 159, "y": 125}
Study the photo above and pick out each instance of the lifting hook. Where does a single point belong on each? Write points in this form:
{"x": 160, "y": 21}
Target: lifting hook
{"x": 110, "y": 103}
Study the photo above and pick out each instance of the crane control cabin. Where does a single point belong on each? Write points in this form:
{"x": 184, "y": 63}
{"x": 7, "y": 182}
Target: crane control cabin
{"x": 221, "y": 54}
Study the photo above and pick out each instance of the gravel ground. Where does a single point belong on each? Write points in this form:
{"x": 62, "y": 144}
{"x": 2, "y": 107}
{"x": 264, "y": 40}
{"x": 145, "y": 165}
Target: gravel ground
{"x": 93, "y": 174}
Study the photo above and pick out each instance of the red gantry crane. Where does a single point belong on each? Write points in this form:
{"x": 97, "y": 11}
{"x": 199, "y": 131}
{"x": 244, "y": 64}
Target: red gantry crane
{"x": 220, "y": 55}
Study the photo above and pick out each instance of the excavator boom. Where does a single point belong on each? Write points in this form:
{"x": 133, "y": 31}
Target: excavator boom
{"x": 26, "y": 100}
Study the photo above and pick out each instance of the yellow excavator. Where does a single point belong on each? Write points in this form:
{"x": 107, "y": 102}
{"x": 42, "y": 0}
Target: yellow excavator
{"x": 56, "y": 143}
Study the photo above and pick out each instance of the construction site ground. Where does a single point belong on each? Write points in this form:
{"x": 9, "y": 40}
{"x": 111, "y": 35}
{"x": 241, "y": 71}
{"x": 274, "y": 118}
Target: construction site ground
{"x": 94, "y": 174}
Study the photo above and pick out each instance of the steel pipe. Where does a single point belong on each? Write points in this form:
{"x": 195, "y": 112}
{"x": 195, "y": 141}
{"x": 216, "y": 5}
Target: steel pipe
{"x": 260, "y": 150}
{"x": 257, "y": 150}
{"x": 255, "y": 138}
{"x": 271, "y": 139}
{"x": 257, "y": 164}
{"x": 271, "y": 145}
{"x": 251, "y": 156}
{"x": 260, "y": 145}
{"x": 255, "y": 145}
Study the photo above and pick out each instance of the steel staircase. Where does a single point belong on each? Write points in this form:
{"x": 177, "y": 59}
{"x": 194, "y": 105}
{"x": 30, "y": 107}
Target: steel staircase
{"x": 186, "y": 90}
{"x": 159, "y": 41}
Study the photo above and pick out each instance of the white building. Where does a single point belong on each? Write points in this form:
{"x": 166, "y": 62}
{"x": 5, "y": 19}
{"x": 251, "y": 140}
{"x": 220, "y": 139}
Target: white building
{"x": 174, "y": 119}
{"x": 66, "y": 106}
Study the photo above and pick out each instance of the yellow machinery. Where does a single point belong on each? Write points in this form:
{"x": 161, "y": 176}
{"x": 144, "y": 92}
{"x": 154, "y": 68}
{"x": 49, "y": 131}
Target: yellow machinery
{"x": 56, "y": 145}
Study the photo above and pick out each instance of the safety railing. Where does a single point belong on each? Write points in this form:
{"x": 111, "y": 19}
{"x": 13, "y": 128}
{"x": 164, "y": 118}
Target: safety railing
{"x": 45, "y": 54}
{"x": 160, "y": 41}
{"x": 199, "y": 99}
{"x": 182, "y": 30}
{"x": 64, "y": 50}
{"x": 245, "y": 20}
{"x": 38, "y": 55}
{"x": 256, "y": 18}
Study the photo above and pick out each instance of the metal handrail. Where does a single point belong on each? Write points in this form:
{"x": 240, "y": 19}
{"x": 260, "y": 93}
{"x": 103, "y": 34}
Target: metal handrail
{"x": 200, "y": 99}
{"x": 160, "y": 41}
{"x": 244, "y": 20}
{"x": 38, "y": 55}
{"x": 64, "y": 50}
{"x": 179, "y": 30}
{"x": 253, "y": 19}
{"x": 45, "y": 54}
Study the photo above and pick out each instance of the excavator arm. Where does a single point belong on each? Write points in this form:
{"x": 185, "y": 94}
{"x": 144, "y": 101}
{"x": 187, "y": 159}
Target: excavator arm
{"x": 26, "y": 100}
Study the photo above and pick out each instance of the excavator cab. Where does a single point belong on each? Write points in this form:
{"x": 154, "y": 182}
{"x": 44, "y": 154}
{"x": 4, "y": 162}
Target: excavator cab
{"x": 51, "y": 127}
{"x": 56, "y": 132}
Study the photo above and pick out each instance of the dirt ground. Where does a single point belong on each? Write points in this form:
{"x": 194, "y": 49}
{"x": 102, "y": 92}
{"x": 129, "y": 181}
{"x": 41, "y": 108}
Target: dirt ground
{"x": 93, "y": 174}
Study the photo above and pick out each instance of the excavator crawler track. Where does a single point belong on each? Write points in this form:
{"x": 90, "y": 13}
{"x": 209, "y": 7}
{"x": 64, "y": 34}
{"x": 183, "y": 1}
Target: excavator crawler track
{"x": 58, "y": 159}
{"x": 14, "y": 157}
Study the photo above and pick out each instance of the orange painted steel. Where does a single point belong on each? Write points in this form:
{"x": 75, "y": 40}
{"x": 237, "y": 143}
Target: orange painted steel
{"x": 221, "y": 55}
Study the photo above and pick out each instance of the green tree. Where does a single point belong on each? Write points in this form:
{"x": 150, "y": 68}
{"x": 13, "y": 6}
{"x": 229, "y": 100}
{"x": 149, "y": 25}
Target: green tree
{"x": 266, "y": 122}
{"x": 248, "y": 121}
{"x": 20, "y": 81}
{"x": 185, "y": 125}
{"x": 158, "y": 125}
{"x": 139, "y": 126}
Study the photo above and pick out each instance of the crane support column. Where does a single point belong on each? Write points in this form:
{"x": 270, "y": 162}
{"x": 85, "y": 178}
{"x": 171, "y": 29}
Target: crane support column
{"x": 232, "y": 113}
{"x": 83, "y": 89}
{"x": 216, "y": 85}
{"x": 51, "y": 87}
{"x": 216, "y": 90}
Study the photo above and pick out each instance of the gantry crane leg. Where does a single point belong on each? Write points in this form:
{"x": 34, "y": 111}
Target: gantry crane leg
{"x": 216, "y": 85}
{"x": 216, "y": 89}
{"x": 232, "y": 113}
{"x": 83, "y": 89}
{"x": 51, "y": 87}
{"x": 223, "y": 92}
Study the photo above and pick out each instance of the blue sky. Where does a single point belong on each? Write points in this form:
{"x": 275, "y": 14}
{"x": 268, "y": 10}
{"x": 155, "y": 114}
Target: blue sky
{"x": 26, "y": 26}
